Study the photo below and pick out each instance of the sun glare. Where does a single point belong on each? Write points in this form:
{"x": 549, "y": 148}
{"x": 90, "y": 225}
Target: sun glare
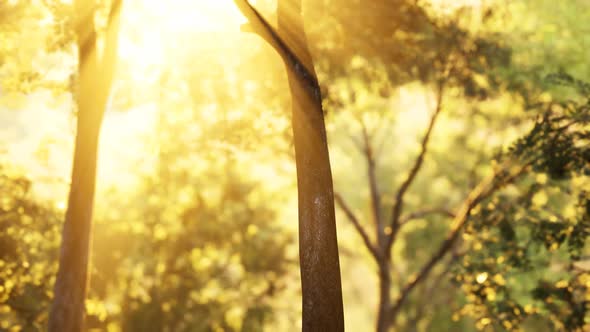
{"x": 198, "y": 16}
{"x": 151, "y": 28}
{"x": 150, "y": 40}
{"x": 184, "y": 16}
{"x": 448, "y": 6}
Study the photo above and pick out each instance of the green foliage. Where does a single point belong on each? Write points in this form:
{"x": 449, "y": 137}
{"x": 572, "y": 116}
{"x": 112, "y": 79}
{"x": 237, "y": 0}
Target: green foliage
{"x": 29, "y": 238}
{"x": 527, "y": 240}
{"x": 223, "y": 260}
{"x": 407, "y": 43}
{"x": 210, "y": 264}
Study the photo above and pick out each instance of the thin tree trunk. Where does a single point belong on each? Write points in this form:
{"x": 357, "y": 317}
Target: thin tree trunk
{"x": 383, "y": 318}
{"x": 318, "y": 247}
{"x": 95, "y": 76}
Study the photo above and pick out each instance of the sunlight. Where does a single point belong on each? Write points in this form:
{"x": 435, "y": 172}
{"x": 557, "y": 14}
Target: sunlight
{"x": 197, "y": 16}
{"x": 151, "y": 27}
{"x": 449, "y": 6}
{"x": 151, "y": 38}
{"x": 457, "y": 165}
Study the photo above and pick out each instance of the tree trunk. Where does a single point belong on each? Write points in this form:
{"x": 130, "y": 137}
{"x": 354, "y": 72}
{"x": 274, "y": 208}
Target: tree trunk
{"x": 318, "y": 247}
{"x": 67, "y": 311}
{"x": 383, "y": 319}
{"x": 95, "y": 76}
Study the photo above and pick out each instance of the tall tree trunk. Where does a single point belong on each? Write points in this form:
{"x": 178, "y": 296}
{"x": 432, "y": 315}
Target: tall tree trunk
{"x": 383, "y": 318}
{"x": 318, "y": 247}
{"x": 94, "y": 77}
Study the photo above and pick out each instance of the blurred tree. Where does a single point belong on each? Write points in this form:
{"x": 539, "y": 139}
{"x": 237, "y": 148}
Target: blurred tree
{"x": 525, "y": 244}
{"x": 200, "y": 242}
{"x": 203, "y": 246}
{"x": 33, "y": 66}
{"x": 215, "y": 263}
{"x": 95, "y": 74}
{"x": 406, "y": 43}
{"x": 29, "y": 238}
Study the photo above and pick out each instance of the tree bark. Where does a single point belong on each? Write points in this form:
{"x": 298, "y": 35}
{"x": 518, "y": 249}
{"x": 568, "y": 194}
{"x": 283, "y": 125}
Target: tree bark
{"x": 383, "y": 318}
{"x": 95, "y": 76}
{"x": 318, "y": 248}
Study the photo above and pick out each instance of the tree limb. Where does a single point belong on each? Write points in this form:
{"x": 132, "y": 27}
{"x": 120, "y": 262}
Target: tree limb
{"x": 85, "y": 25}
{"x": 373, "y": 187}
{"x": 423, "y": 213}
{"x": 357, "y": 225}
{"x": 485, "y": 188}
{"x": 399, "y": 199}
{"x": 428, "y": 292}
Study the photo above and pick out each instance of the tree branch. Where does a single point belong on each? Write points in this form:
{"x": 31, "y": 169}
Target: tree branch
{"x": 85, "y": 24}
{"x": 423, "y": 213}
{"x": 428, "y": 292}
{"x": 485, "y": 188}
{"x": 373, "y": 187}
{"x": 399, "y": 199}
{"x": 355, "y": 222}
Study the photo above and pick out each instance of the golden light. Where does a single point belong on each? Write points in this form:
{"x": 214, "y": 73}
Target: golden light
{"x": 202, "y": 16}
{"x": 152, "y": 36}
{"x": 152, "y": 27}
{"x": 451, "y": 5}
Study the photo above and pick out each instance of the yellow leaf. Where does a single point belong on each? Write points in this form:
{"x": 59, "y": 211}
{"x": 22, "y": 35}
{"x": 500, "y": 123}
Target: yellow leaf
{"x": 541, "y": 178}
{"x": 562, "y": 284}
{"x": 540, "y": 199}
{"x": 499, "y": 279}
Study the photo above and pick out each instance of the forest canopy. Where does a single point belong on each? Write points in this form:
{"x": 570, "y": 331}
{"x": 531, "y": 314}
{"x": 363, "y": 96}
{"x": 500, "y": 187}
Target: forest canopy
{"x": 285, "y": 165}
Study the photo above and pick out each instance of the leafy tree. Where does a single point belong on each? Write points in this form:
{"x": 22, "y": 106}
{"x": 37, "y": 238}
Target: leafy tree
{"x": 210, "y": 243}
{"x": 29, "y": 238}
{"x": 454, "y": 58}
{"x": 524, "y": 245}
{"x": 221, "y": 258}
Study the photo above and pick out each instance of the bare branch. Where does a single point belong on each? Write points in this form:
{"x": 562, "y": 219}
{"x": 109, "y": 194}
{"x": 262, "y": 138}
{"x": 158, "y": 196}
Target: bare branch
{"x": 399, "y": 199}
{"x": 357, "y": 143}
{"x": 373, "y": 187}
{"x": 485, "y": 188}
{"x": 351, "y": 216}
{"x": 428, "y": 291}
{"x": 84, "y": 24}
{"x": 423, "y": 213}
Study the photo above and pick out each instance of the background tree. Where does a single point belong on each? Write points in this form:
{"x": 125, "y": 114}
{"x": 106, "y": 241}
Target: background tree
{"x": 95, "y": 74}
{"x": 537, "y": 230}
{"x": 364, "y": 77}
{"x": 29, "y": 237}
